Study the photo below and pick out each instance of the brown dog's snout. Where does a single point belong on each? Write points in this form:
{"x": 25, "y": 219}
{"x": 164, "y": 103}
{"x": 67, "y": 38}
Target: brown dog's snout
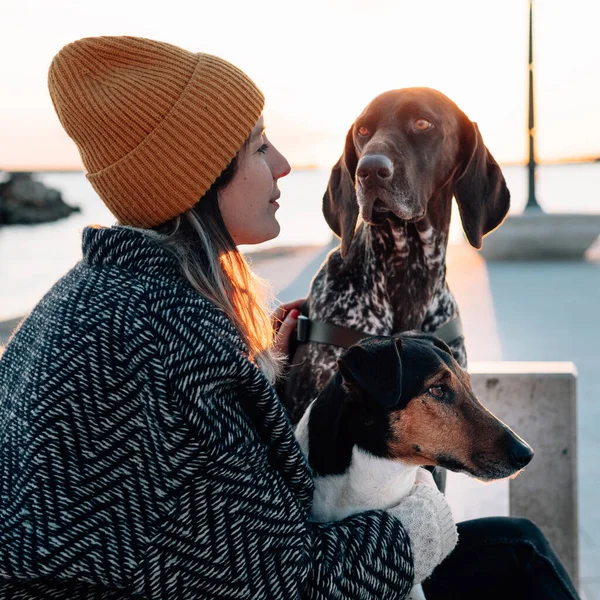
{"x": 375, "y": 169}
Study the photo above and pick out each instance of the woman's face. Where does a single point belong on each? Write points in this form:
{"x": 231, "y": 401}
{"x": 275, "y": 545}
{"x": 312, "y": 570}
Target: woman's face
{"x": 249, "y": 201}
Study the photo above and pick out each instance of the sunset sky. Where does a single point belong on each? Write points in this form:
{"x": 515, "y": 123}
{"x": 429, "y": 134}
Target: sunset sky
{"x": 319, "y": 63}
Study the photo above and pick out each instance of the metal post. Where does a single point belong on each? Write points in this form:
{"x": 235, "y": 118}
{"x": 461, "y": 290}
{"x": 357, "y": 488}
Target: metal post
{"x": 532, "y": 203}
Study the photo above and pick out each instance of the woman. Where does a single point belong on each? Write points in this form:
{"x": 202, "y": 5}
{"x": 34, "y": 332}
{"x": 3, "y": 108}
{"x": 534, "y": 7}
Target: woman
{"x": 143, "y": 450}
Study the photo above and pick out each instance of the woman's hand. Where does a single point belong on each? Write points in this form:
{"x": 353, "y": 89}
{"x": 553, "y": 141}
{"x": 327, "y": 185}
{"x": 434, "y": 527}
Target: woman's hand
{"x": 285, "y": 320}
{"x": 427, "y": 518}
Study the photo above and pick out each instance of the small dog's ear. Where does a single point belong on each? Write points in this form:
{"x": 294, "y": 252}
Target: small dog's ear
{"x": 441, "y": 345}
{"x": 428, "y": 337}
{"x": 480, "y": 190}
{"x": 374, "y": 367}
{"x": 340, "y": 207}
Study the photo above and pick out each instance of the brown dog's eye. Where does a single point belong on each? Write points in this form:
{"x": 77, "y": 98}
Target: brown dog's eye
{"x": 437, "y": 391}
{"x": 363, "y": 131}
{"x": 423, "y": 124}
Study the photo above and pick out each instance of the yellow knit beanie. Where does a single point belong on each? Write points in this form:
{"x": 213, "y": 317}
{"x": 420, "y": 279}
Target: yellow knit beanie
{"x": 155, "y": 124}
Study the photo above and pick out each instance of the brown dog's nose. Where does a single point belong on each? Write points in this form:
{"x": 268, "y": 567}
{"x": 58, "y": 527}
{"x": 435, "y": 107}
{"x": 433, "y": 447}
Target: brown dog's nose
{"x": 521, "y": 454}
{"x": 374, "y": 168}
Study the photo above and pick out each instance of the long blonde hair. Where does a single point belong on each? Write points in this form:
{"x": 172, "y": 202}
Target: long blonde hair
{"x": 216, "y": 269}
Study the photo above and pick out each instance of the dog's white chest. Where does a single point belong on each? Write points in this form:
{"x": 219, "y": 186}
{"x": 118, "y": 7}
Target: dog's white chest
{"x": 369, "y": 483}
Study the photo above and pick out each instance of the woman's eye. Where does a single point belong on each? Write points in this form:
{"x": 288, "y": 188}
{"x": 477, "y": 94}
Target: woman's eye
{"x": 263, "y": 148}
{"x": 423, "y": 124}
{"x": 363, "y": 131}
{"x": 437, "y": 391}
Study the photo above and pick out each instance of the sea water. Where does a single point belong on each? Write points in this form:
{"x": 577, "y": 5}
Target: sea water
{"x": 32, "y": 258}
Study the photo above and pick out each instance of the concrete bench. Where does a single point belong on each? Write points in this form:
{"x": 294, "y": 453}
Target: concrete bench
{"x": 538, "y": 401}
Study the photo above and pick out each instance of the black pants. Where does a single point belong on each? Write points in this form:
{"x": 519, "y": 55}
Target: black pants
{"x": 500, "y": 557}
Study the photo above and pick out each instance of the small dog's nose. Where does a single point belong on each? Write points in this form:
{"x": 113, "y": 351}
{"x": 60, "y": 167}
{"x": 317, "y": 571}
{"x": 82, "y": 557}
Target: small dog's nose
{"x": 521, "y": 454}
{"x": 375, "y": 168}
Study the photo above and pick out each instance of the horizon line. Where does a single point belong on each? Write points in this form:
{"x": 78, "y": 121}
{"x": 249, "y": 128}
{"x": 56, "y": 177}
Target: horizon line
{"x": 299, "y": 167}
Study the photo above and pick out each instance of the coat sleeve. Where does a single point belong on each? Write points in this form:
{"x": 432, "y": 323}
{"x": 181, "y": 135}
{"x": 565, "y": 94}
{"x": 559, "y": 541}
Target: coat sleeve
{"x": 365, "y": 556}
{"x": 236, "y": 532}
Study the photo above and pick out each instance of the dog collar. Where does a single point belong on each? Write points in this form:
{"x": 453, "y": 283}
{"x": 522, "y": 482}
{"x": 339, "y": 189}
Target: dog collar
{"x": 344, "y": 337}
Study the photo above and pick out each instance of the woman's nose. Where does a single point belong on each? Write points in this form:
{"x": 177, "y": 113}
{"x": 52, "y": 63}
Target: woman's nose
{"x": 281, "y": 166}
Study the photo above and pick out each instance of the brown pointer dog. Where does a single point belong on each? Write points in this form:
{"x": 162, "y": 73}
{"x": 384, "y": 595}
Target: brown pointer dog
{"x": 406, "y": 156}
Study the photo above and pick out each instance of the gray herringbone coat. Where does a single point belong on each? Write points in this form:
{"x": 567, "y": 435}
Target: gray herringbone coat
{"x": 142, "y": 454}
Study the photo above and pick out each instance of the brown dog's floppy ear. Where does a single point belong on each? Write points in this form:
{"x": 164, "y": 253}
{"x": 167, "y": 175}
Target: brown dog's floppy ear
{"x": 375, "y": 367}
{"x": 340, "y": 207}
{"x": 480, "y": 190}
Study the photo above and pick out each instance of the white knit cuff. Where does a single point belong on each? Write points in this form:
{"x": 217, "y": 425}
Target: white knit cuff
{"x": 427, "y": 518}
{"x": 448, "y": 532}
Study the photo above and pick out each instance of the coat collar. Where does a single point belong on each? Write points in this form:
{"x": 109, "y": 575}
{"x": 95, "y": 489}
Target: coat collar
{"x": 129, "y": 248}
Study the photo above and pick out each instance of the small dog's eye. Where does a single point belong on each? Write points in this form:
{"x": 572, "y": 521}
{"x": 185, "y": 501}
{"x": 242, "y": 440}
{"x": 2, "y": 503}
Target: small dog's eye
{"x": 363, "y": 131}
{"x": 423, "y": 124}
{"x": 437, "y": 391}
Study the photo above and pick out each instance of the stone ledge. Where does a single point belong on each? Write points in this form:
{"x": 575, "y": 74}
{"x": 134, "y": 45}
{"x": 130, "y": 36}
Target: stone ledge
{"x": 535, "y": 235}
{"x": 539, "y": 401}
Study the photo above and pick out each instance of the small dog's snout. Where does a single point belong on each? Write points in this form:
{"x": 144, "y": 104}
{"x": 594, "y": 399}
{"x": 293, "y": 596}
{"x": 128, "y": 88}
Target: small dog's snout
{"x": 375, "y": 168}
{"x": 521, "y": 454}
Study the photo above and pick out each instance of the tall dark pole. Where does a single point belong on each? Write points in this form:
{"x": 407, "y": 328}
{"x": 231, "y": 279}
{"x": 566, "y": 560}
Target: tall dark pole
{"x": 532, "y": 203}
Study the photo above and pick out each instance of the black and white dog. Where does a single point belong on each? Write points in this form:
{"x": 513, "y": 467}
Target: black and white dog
{"x": 393, "y": 405}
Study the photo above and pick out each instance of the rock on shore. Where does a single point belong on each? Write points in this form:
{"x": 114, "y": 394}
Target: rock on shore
{"x": 25, "y": 201}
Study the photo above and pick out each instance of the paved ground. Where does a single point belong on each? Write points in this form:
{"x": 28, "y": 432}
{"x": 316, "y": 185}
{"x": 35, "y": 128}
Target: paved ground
{"x": 551, "y": 312}
{"x": 6, "y": 328}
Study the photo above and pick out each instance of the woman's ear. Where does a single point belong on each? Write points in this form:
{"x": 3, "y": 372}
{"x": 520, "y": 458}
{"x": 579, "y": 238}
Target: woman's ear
{"x": 340, "y": 206}
{"x": 480, "y": 190}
